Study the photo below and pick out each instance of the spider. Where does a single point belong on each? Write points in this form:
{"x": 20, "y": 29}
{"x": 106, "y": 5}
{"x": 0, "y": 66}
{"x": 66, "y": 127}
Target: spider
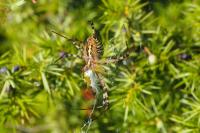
{"x": 92, "y": 55}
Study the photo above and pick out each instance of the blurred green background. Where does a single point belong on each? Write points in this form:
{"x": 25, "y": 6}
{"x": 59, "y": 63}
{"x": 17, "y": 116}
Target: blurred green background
{"x": 155, "y": 90}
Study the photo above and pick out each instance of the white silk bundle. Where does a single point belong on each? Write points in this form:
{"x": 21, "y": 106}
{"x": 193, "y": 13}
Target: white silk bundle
{"x": 94, "y": 81}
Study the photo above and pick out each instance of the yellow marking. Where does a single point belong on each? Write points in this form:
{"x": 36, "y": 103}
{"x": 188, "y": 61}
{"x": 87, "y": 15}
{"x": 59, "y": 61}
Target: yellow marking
{"x": 90, "y": 51}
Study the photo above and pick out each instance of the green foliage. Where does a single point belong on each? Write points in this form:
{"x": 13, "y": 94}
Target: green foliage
{"x": 156, "y": 89}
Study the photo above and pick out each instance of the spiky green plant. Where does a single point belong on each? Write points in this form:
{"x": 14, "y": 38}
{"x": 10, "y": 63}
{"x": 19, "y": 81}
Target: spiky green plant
{"x": 155, "y": 89}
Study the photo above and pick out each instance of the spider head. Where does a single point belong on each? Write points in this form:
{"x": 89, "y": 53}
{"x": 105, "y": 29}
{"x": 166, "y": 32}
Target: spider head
{"x": 90, "y": 40}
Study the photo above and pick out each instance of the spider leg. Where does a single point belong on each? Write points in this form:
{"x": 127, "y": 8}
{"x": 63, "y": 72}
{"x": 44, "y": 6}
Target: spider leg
{"x": 66, "y": 55}
{"x": 114, "y": 59}
{"x": 111, "y": 60}
{"x": 74, "y": 41}
{"x": 105, "y": 91}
